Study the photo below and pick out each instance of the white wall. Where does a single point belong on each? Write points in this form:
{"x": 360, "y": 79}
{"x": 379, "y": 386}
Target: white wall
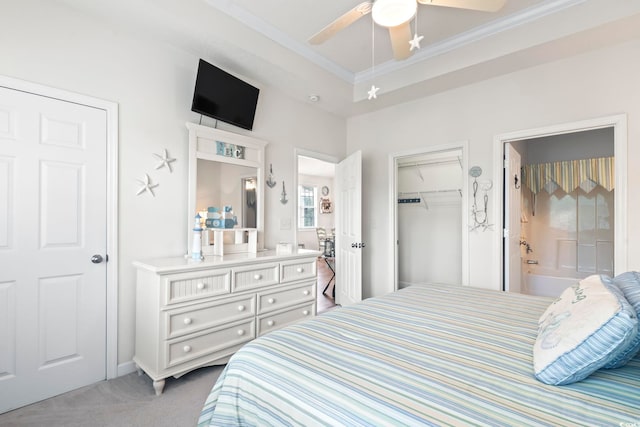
{"x": 596, "y": 84}
{"x": 47, "y": 43}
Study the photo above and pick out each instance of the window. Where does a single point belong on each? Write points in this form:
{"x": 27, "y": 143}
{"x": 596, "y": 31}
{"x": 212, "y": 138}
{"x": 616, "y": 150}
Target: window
{"x": 307, "y": 202}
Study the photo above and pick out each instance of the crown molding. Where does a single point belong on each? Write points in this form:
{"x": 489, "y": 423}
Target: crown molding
{"x": 533, "y": 13}
{"x": 478, "y": 33}
{"x": 255, "y": 23}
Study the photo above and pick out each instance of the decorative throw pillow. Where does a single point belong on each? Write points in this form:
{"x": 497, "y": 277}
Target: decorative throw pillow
{"x": 590, "y": 325}
{"x": 629, "y": 284}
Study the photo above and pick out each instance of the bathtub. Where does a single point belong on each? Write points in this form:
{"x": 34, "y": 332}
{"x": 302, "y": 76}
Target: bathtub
{"x": 548, "y": 286}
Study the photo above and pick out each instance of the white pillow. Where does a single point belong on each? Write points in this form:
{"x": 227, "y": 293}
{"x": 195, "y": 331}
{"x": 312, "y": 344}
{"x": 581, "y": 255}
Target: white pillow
{"x": 583, "y": 330}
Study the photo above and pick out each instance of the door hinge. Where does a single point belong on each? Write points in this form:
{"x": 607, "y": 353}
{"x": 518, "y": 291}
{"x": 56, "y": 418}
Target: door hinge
{"x": 505, "y": 233}
{"x": 106, "y": 258}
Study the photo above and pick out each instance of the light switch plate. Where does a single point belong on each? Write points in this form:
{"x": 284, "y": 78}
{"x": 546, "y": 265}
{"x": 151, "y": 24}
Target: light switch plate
{"x": 285, "y": 223}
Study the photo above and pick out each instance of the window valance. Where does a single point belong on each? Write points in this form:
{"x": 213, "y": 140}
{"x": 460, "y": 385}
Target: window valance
{"x": 569, "y": 175}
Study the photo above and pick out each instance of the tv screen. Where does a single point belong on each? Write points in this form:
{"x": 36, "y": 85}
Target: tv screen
{"x": 224, "y": 97}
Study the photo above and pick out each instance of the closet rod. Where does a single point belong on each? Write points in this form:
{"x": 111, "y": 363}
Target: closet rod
{"x": 455, "y": 190}
{"x": 440, "y": 162}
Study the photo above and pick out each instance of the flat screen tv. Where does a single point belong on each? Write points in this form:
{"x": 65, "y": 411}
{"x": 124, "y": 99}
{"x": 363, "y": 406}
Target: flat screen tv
{"x": 224, "y": 97}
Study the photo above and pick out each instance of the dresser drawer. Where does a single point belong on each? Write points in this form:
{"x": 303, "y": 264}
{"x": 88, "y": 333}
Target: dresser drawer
{"x": 202, "y": 316}
{"x": 298, "y": 270}
{"x": 277, "y": 320}
{"x": 255, "y": 276}
{"x": 198, "y": 284}
{"x": 208, "y": 342}
{"x": 286, "y": 296}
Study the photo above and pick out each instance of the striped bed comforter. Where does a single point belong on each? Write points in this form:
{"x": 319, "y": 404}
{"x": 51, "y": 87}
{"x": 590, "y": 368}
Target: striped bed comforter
{"x": 432, "y": 355}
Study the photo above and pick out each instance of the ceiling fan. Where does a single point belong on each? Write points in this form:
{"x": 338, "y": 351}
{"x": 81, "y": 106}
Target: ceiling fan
{"x": 396, "y": 15}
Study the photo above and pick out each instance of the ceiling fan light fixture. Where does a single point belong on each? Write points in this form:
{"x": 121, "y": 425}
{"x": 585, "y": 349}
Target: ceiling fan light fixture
{"x": 391, "y": 13}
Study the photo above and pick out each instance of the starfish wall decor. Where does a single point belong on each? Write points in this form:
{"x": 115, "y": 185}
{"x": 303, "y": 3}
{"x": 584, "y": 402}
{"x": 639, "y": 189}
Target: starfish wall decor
{"x": 165, "y": 160}
{"x": 147, "y": 186}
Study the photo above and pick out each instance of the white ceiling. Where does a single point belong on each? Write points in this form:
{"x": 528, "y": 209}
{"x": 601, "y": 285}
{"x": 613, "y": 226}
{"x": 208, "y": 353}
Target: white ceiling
{"x": 349, "y": 52}
{"x": 266, "y": 42}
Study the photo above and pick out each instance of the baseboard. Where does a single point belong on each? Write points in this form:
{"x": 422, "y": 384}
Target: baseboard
{"x": 126, "y": 368}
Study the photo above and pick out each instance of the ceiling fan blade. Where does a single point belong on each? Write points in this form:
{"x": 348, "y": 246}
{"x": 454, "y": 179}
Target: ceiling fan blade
{"x": 400, "y": 37}
{"x": 342, "y": 22}
{"x": 482, "y": 5}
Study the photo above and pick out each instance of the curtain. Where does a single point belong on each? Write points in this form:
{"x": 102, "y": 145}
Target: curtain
{"x": 569, "y": 175}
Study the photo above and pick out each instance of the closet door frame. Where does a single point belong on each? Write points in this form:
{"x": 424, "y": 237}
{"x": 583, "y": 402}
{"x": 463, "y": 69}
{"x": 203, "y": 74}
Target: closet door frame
{"x": 463, "y": 146}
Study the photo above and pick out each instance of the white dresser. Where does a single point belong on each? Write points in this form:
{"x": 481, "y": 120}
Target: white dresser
{"x": 190, "y": 315}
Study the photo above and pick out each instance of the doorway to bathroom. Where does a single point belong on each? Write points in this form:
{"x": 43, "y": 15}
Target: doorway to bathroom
{"x": 564, "y": 207}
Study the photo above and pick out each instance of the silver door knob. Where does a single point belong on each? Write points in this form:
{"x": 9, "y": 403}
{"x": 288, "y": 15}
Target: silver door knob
{"x": 96, "y": 259}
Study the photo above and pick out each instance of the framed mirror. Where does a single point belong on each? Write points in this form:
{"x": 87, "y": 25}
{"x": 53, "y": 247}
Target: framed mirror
{"x": 225, "y": 187}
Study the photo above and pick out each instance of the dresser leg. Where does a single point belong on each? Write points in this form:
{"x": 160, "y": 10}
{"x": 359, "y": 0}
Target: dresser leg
{"x": 139, "y": 370}
{"x": 158, "y": 386}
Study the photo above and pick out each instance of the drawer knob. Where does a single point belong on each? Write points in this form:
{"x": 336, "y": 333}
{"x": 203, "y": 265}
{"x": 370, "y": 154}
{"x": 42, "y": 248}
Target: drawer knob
{"x": 240, "y": 332}
{"x": 305, "y": 312}
{"x": 200, "y": 286}
{"x": 271, "y": 323}
{"x": 186, "y": 348}
{"x": 306, "y": 292}
{"x": 187, "y": 320}
{"x": 300, "y": 270}
{"x": 271, "y": 300}
{"x": 241, "y": 308}
{"x": 257, "y": 277}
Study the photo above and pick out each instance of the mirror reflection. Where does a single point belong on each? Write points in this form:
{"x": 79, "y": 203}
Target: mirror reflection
{"x": 223, "y": 184}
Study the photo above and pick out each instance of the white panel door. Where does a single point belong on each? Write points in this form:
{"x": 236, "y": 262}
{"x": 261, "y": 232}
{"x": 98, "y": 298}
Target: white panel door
{"x": 52, "y": 221}
{"x": 512, "y": 214}
{"x": 349, "y": 243}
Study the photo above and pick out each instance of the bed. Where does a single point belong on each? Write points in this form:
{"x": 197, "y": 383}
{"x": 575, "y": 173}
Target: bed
{"x": 424, "y": 355}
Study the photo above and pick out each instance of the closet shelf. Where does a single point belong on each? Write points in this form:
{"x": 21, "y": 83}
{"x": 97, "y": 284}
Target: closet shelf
{"x": 445, "y": 161}
{"x": 430, "y": 192}
{"x": 437, "y": 197}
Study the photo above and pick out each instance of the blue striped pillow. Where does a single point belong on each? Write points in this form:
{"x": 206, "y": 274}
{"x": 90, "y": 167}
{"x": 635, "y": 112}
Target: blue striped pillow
{"x": 629, "y": 284}
{"x": 588, "y": 327}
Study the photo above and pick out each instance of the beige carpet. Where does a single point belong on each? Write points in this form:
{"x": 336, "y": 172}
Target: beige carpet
{"x": 125, "y": 401}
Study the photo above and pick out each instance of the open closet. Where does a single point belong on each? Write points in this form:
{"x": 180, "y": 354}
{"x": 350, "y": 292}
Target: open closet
{"x": 429, "y": 218}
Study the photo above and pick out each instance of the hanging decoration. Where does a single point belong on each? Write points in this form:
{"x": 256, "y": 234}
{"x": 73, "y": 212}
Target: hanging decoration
{"x": 479, "y": 210}
{"x": 414, "y": 43}
{"x": 147, "y": 186}
{"x": 270, "y": 181}
{"x": 571, "y": 174}
{"x": 165, "y": 160}
{"x": 283, "y": 195}
{"x": 373, "y": 92}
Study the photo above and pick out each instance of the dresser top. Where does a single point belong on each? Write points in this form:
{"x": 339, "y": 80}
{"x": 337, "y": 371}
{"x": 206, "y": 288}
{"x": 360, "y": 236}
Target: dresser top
{"x": 177, "y": 264}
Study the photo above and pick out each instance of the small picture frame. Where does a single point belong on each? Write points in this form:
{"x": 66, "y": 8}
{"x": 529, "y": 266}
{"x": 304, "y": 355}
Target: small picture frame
{"x": 325, "y": 205}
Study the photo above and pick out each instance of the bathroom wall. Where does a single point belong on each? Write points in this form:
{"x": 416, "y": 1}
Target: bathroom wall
{"x": 571, "y": 234}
